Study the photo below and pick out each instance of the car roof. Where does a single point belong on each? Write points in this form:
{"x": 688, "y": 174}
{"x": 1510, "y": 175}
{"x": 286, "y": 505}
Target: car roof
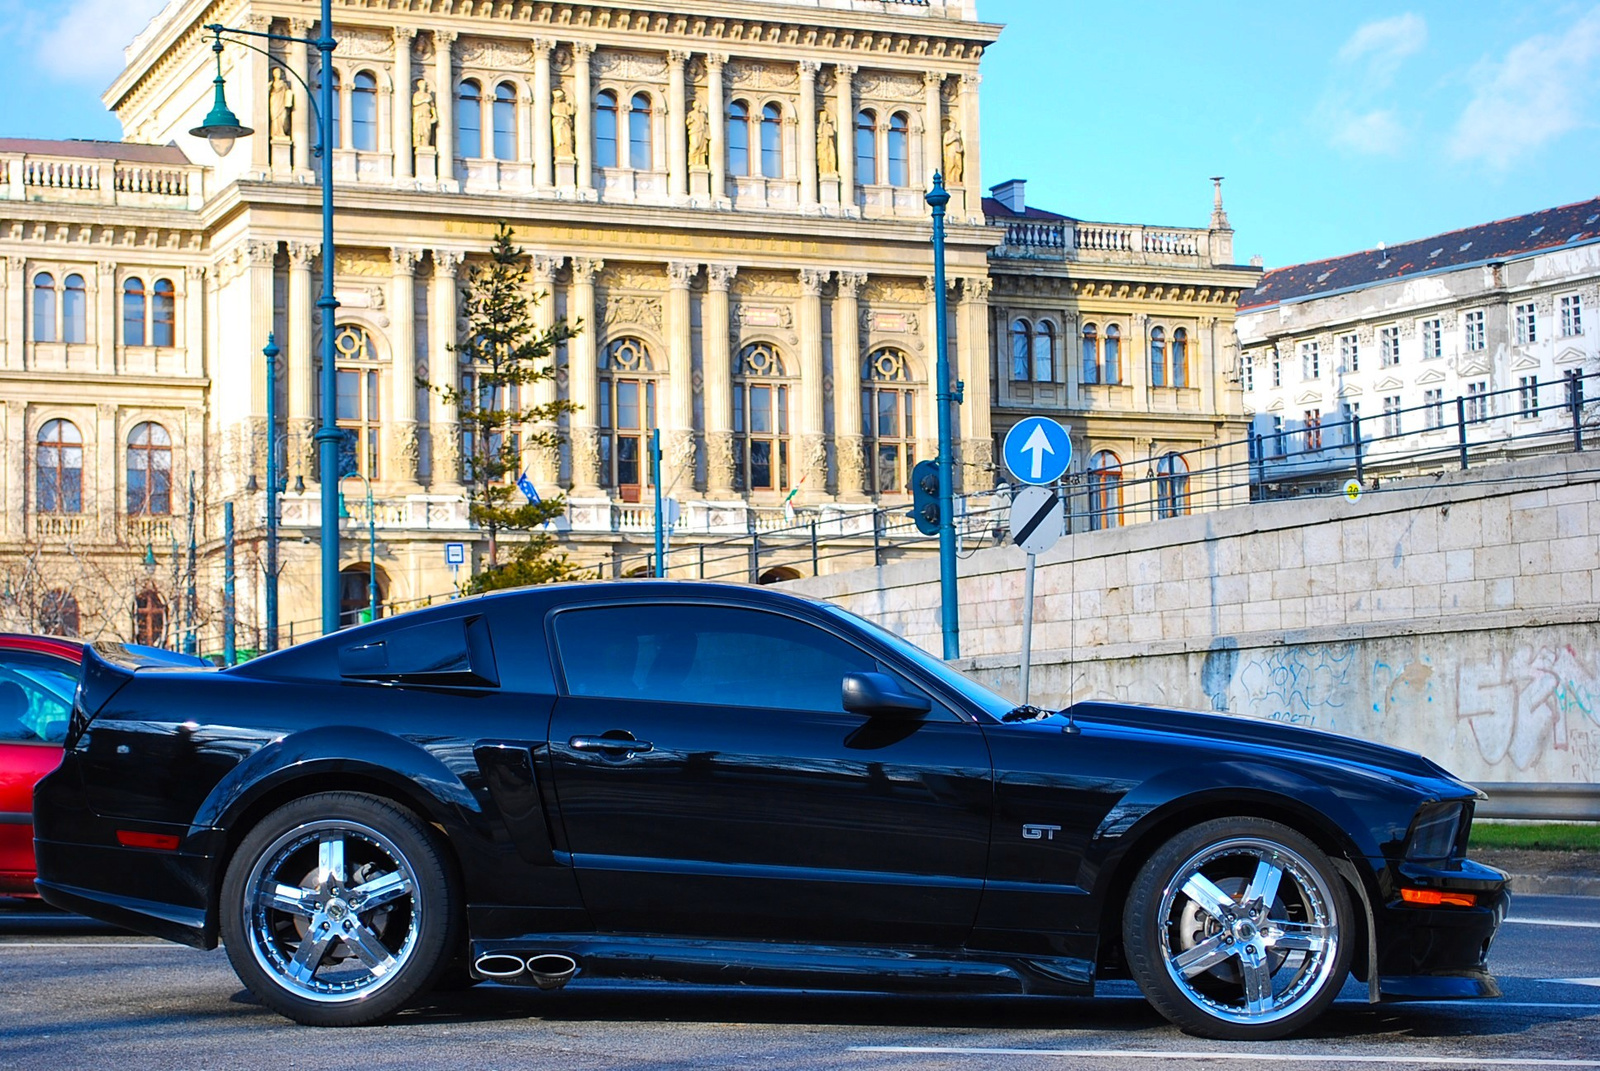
{"x": 49, "y": 645}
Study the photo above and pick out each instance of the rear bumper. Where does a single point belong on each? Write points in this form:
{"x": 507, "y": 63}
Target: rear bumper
{"x": 1439, "y": 953}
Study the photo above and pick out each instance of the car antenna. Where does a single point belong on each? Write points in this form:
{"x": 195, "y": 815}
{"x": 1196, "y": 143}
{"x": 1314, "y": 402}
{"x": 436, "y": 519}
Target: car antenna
{"x": 1071, "y": 728}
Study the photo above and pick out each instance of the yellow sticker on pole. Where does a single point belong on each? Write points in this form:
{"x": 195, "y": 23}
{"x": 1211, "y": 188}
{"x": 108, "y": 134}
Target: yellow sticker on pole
{"x": 1352, "y": 490}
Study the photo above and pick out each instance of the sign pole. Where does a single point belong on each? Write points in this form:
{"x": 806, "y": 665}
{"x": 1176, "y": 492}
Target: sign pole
{"x": 1027, "y": 625}
{"x": 655, "y": 478}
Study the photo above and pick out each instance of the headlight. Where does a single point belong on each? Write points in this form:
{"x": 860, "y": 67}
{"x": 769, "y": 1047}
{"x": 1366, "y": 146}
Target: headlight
{"x": 1434, "y": 833}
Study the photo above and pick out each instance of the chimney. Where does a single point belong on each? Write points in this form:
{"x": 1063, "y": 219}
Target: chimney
{"x": 1010, "y": 194}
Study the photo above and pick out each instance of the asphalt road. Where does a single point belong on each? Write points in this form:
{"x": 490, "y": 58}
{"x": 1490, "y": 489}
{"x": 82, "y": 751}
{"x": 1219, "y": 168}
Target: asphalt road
{"x": 73, "y": 997}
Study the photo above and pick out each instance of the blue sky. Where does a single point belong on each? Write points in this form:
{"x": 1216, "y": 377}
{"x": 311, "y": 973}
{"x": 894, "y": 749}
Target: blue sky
{"x": 1336, "y": 125}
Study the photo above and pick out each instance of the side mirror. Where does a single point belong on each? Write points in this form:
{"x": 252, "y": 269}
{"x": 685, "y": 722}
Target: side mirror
{"x": 877, "y": 694}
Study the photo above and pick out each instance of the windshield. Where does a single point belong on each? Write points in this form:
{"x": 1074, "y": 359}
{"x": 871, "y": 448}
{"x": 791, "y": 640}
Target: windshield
{"x": 975, "y": 693}
{"x": 35, "y": 702}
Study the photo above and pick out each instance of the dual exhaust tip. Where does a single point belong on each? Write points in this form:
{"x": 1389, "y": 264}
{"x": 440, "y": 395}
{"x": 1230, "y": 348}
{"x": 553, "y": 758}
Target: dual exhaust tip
{"x": 547, "y": 970}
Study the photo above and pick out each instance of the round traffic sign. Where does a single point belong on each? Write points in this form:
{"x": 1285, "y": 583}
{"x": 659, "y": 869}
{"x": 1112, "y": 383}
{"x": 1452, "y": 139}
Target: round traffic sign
{"x": 1036, "y": 519}
{"x": 1352, "y": 490}
{"x": 1037, "y": 450}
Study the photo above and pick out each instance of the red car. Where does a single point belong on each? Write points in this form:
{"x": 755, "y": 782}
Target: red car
{"x": 38, "y": 676}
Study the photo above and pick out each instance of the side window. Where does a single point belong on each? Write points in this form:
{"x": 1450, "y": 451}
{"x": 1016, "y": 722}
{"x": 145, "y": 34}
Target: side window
{"x": 35, "y": 698}
{"x": 710, "y": 655}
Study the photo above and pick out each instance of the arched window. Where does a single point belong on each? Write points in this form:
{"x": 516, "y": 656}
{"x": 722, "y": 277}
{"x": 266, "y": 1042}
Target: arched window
{"x": 364, "y": 112}
{"x": 627, "y": 413}
{"x": 505, "y": 121}
{"x": 772, "y": 141}
{"x": 1180, "y": 358}
{"x": 1158, "y": 357}
{"x": 1044, "y": 353}
{"x": 44, "y": 307}
{"x": 640, "y": 156}
{"x": 1105, "y": 490}
{"x": 58, "y": 613}
{"x": 899, "y": 150}
{"x": 1112, "y": 354}
{"x": 469, "y": 120}
{"x": 133, "y": 312}
{"x": 1172, "y": 486}
{"x": 359, "y": 587}
{"x": 605, "y": 129}
{"x": 738, "y": 138}
{"x": 760, "y": 420}
{"x": 149, "y": 470}
{"x": 75, "y": 310}
{"x": 59, "y": 461}
{"x": 149, "y": 618}
{"x": 1091, "y": 354}
{"x": 888, "y": 420}
{"x": 164, "y": 315}
{"x": 866, "y": 147}
{"x": 356, "y": 400}
{"x": 1020, "y": 345}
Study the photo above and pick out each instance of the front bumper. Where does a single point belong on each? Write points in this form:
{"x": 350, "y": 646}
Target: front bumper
{"x": 1438, "y": 952}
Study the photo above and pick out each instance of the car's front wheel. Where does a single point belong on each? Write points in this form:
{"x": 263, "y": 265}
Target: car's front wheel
{"x": 338, "y": 908}
{"x": 1239, "y": 929}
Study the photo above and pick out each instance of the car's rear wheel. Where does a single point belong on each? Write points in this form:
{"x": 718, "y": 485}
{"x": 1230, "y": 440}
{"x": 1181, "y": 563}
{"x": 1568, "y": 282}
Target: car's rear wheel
{"x": 1239, "y": 929}
{"x": 338, "y": 908}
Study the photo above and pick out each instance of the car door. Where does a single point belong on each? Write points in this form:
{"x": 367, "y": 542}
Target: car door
{"x": 35, "y": 702}
{"x": 711, "y": 783}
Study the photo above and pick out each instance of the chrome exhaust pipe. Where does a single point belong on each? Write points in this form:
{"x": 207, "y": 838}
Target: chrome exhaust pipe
{"x": 499, "y": 966}
{"x": 551, "y": 970}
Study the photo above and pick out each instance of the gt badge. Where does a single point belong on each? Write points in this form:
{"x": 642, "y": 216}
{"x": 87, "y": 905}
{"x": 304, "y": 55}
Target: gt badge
{"x": 1035, "y": 831}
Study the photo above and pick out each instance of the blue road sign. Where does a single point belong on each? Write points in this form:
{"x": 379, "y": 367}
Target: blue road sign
{"x": 455, "y": 554}
{"x": 1037, "y": 450}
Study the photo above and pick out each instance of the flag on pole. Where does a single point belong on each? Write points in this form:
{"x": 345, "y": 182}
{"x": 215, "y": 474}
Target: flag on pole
{"x": 530, "y": 492}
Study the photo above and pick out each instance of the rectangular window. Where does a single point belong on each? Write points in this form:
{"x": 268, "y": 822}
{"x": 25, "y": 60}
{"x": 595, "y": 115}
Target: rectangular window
{"x": 1277, "y": 436}
{"x": 1434, "y": 400}
{"x": 1247, "y": 372}
{"x": 1389, "y": 346}
{"x": 1349, "y": 353}
{"x": 1313, "y": 430}
{"x": 1277, "y": 368}
{"x": 1478, "y": 401}
{"x": 1527, "y": 325}
{"x": 1528, "y": 396}
{"x": 1476, "y": 338}
{"x": 1310, "y": 360}
{"x": 1391, "y": 416}
{"x": 1572, "y": 315}
{"x": 1432, "y": 339}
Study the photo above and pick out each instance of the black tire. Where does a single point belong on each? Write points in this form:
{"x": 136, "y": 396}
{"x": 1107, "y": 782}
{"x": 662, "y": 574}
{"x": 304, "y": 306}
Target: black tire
{"x": 1218, "y": 956}
{"x": 358, "y": 875}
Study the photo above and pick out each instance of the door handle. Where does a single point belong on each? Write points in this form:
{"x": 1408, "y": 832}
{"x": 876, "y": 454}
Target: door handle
{"x": 625, "y": 745}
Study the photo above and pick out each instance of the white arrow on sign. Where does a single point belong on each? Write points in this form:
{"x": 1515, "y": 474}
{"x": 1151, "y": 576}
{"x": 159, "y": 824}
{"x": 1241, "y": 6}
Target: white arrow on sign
{"x": 1038, "y": 445}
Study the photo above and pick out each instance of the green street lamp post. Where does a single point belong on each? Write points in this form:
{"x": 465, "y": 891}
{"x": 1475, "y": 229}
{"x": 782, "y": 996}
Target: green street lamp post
{"x": 222, "y": 128}
{"x": 937, "y": 199}
{"x": 372, "y": 541}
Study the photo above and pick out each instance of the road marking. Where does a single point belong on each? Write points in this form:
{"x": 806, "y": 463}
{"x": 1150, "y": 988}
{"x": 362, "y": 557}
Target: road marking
{"x": 1558, "y": 922}
{"x": 1574, "y": 981}
{"x": 1313, "y": 1058}
{"x": 88, "y": 944}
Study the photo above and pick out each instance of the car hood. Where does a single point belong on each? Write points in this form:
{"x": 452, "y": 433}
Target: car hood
{"x": 1260, "y": 733}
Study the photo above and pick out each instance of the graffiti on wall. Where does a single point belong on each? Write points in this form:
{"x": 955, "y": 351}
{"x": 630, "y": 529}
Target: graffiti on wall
{"x": 1310, "y": 684}
{"x": 1519, "y": 706}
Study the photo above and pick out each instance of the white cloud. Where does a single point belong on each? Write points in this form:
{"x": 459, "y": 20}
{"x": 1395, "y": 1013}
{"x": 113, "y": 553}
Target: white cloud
{"x": 1352, "y": 113}
{"x": 82, "y": 40}
{"x": 1541, "y": 90}
{"x": 1381, "y": 45}
{"x": 1379, "y": 131}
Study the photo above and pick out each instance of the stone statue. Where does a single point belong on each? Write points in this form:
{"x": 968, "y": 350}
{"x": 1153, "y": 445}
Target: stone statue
{"x": 955, "y": 158}
{"x": 280, "y": 102}
{"x": 424, "y": 116}
{"x": 561, "y": 113}
{"x": 699, "y": 136}
{"x": 827, "y": 145}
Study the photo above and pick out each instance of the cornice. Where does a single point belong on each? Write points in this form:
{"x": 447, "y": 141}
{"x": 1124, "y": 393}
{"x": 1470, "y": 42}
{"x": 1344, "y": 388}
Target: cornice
{"x": 1151, "y": 285}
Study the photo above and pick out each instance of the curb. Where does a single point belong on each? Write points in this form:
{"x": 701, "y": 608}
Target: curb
{"x": 1554, "y": 885}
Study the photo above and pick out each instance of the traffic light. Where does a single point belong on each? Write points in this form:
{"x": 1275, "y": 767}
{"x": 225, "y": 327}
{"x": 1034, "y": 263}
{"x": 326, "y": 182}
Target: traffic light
{"x": 925, "y": 497}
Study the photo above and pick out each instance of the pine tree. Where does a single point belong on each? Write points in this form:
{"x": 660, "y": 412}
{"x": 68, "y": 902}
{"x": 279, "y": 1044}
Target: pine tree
{"x": 502, "y": 359}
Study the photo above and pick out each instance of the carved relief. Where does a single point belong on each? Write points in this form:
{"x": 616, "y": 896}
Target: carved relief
{"x": 627, "y": 308}
{"x": 742, "y": 316}
{"x": 406, "y": 450}
{"x": 357, "y": 43}
{"x": 852, "y": 469}
{"x": 368, "y": 264}
{"x": 757, "y": 282}
{"x": 490, "y": 52}
{"x": 677, "y": 460}
{"x": 760, "y": 75}
{"x": 585, "y": 456}
{"x": 814, "y": 459}
{"x": 629, "y": 65}
{"x": 447, "y": 452}
{"x": 889, "y": 85}
{"x": 720, "y": 276}
{"x": 630, "y": 277}
{"x": 893, "y": 290}
{"x": 719, "y": 460}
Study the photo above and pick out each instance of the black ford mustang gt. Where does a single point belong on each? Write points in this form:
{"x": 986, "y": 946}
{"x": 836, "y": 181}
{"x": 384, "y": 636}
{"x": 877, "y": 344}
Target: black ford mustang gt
{"x": 725, "y": 784}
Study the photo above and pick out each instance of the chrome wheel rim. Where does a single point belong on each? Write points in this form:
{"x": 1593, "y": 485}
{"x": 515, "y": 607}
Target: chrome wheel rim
{"x": 1249, "y": 932}
{"x": 333, "y": 909}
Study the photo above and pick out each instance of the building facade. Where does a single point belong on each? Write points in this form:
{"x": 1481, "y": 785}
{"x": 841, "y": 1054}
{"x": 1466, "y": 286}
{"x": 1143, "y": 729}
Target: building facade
{"x": 1419, "y": 354}
{"x": 726, "y": 195}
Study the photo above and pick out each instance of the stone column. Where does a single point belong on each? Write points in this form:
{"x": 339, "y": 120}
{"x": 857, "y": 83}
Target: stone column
{"x": 677, "y": 118}
{"x": 16, "y": 467}
{"x": 194, "y": 321}
{"x": 100, "y": 489}
{"x": 260, "y": 79}
{"x": 16, "y": 313}
{"x": 847, "y": 386}
{"x": 1206, "y": 367}
{"x": 583, "y": 127}
{"x": 404, "y": 164}
{"x": 543, "y": 173}
{"x": 971, "y": 144}
{"x": 717, "y": 113}
{"x": 404, "y": 452}
{"x": 261, "y": 256}
{"x": 813, "y": 455}
{"x": 845, "y": 120}
{"x": 583, "y": 378}
{"x": 716, "y": 366}
{"x": 104, "y": 334}
{"x": 297, "y": 351}
{"x": 444, "y": 98}
{"x": 1135, "y": 357}
{"x": 808, "y": 135}
{"x": 544, "y": 461}
{"x": 445, "y": 421}
{"x": 677, "y": 438}
{"x": 972, "y": 360}
{"x": 300, "y": 119}
{"x": 932, "y": 126}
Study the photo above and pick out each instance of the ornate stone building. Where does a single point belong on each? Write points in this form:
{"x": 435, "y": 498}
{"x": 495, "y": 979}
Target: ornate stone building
{"x": 726, "y": 194}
